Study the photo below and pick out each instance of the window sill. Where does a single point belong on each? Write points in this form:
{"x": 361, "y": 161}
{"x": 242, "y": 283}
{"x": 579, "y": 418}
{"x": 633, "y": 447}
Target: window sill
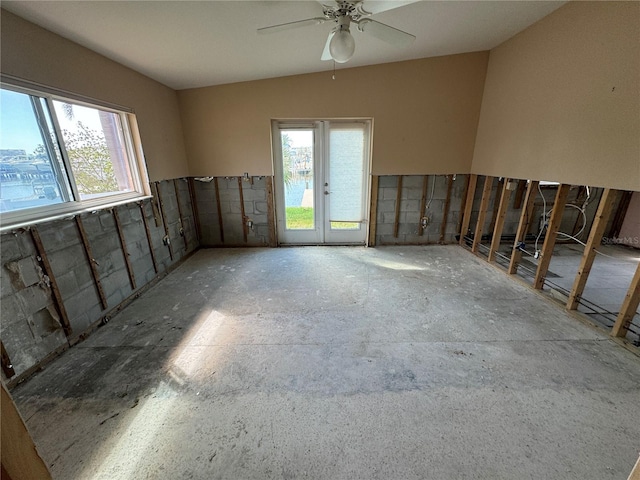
{"x": 72, "y": 212}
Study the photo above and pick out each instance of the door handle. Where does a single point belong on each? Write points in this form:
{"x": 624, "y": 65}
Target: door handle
{"x": 326, "y": 193}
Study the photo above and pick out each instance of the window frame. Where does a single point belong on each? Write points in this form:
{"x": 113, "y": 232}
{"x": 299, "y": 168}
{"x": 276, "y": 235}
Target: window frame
{"x": 132, "y": 145}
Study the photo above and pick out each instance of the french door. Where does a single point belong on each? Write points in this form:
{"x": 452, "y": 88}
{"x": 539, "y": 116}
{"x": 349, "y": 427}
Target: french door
{"x": 322, "y": 181}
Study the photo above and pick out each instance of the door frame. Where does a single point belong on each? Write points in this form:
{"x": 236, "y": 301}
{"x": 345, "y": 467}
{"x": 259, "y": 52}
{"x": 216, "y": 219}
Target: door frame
{"x": 321, "y": 144}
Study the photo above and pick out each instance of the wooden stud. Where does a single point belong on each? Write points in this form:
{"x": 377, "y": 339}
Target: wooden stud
{"x": 164, "y": 223}
{"x": 502, "y": 213}
{"x": 93, "y": 264}
{"x": 396, "y": 223}
{"x": 219, "y": 207}
{"x": 629, "y": 307}
{"x": 605, "y": 208}
{"x": 183, "y": 234}
{"x": 463, "y": 202}
{"x": 423, "y": 204}
{"x": 526, "y": 217}
{"x": 550, "y": 237}
{"x": 635, "y": 473}
{"x": 468, "y": 206}
{"x": 271, "y": 214}
{"x": 123, "y": 245}
{"x": 194, "y": 208}
{"x": 373, "y": 211}
{"x": 245, "y": 227}
{"x": 496, "y": 204}
{"x": 517, "y": 200}
{"x": 48, "y": 271}
{"x": 447, "y": 204}
{"x": 155, "y": 198}
{"x": 20, "y": 458}
{"x": 482, "y": 214}
{"x": 149, "y": 240}
{"x": 7, "y": 367}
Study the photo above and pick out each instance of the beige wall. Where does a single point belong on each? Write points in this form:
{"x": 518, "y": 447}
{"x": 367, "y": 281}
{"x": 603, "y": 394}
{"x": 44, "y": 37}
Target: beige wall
{"x": 35, "y": 54}
{"x": 562, "y": 99}
{"x": 425, "y": 115}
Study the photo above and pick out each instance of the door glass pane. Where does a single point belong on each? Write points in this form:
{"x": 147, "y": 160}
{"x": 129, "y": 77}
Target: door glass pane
{"x": 346, "y": 176}
{"x": 30, "y": 170}
{"x": 94, "y": 140}
{"x": 297, "y": 168}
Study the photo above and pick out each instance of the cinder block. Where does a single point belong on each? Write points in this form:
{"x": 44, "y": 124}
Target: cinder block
{"x": 59, "y": 235}
{"x": 26, "y": 245}
{"x": 92, "y": 225}
{"x": 84, "y": 279}
{"x": 261, "y": 207}
{"x": 411, "y": 194}
{"x": 384, "y": 229}
{"x": 407, "y": 229}
{"x": 80, "y": 323}
{"x": 17, "y": 338}
{"x": 252, "y": 194}
{"x": 67, "y": 281}
{"x": 410, "y": 206}
{"x": 79, "y": 304}
{"x": 24, "y": 272}
{"x": 230, "y": 182}
{"x": 416, "y": 239}
{"x": 388, "y": 193}
{"x": 259, "y": 183}
{"x": 385, "y": 181}
{"x": 391, "y": 217}
{"x": 12, "y": 311}
{"x": 107, "y": 221}
{"x": 391, "y": 240}
{"x": 7, "y": 288}
{"x": 45, "y": 322}
{"x": 9, "y": 248}
{"x": 386, "y": 206}
{"x": 259, "y": 219}
{"x": 412, "y": 181}
{"x": 34, "y": 298}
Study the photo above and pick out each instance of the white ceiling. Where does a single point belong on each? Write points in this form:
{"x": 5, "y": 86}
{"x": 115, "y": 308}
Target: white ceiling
{"x": 186, "y": 44}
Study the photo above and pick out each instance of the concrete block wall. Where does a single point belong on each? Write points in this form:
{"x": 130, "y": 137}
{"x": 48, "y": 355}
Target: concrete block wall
{"x": 410, "y": 214}
{"x": 31, "y": 327}
{"x": 31, "y": 323}
{"x": 226, "y": 229}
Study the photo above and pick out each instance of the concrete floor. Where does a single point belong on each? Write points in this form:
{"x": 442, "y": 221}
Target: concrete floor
{"x": 606, "y": 287}
{"x": 338, "y": 363}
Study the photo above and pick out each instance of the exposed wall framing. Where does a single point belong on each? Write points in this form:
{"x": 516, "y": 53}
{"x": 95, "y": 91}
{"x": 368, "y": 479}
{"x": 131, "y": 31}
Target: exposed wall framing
{"x": 64, "y": 278}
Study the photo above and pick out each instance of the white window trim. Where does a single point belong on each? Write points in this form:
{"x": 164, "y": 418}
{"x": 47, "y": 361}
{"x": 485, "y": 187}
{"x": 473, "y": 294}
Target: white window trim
{"x": 21, "y": 218}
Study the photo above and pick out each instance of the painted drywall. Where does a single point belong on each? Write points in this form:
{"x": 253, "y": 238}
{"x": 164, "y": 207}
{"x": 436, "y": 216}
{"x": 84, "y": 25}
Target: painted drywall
{"x": 425, "y": 115}
{"x": 32, "y": 53}
{"x": 562, "y": 99}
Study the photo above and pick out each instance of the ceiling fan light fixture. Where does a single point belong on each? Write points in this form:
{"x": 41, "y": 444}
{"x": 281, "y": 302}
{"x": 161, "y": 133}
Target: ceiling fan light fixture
{"x": 342, "y": 45}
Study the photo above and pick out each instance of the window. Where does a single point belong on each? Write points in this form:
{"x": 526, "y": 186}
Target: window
{"x": 59, "y": 155}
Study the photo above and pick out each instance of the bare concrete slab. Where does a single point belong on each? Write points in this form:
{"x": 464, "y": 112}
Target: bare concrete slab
{"x": 338, "y": 362}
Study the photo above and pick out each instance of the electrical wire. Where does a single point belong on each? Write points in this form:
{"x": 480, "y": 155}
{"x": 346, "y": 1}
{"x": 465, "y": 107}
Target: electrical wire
{"x": 544, "y": 215}
{"x": 433, "y": 189}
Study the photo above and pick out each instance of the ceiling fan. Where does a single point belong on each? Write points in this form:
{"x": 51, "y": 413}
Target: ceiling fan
{"x": 340, "y": 44}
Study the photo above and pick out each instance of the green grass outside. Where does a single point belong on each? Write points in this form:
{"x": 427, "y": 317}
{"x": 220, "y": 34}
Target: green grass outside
{"x": 301, "y": 218}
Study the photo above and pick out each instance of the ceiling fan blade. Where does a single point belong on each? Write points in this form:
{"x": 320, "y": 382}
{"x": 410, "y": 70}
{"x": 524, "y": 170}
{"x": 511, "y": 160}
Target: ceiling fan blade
{"x": 377, "y": 6}
{"x": 291, "y": 25}
{"x": 326, "y": 54}
{"x": 386, "y": 33}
